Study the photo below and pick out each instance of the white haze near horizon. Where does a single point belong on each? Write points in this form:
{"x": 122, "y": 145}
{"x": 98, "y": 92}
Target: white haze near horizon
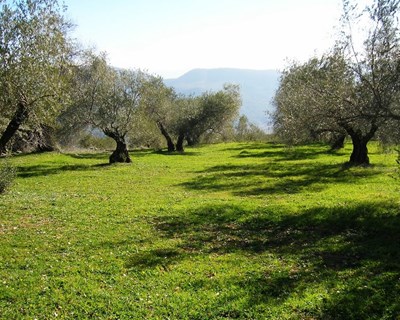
{"x": 171, "y": 37}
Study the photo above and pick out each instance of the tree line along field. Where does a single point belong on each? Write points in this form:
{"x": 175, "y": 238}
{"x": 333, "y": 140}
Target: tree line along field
{"x": 224, "y": 231}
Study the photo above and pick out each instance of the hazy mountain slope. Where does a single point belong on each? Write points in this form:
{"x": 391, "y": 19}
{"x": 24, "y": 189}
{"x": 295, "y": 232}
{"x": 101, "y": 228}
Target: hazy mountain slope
{"x": 257, "y": 87}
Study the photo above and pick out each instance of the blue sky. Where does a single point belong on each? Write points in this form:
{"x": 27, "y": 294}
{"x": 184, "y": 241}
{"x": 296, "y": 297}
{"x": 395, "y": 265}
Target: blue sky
{"x": 170, "y": 37}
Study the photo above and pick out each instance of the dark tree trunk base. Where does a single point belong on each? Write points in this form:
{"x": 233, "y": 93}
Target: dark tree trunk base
{"x": 164, "y": 132}
{"x": 120, "y": 154}
{"x": 171, "y": 147}
{"x": 21, "y": 114}
{"x": 179, "y": 143}
{"x": 34, "y": 140}
{"x": 359, "y": 156}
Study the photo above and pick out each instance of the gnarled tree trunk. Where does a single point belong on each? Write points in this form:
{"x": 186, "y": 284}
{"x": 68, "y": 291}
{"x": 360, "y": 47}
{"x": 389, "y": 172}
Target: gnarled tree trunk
{"x": 20, "y": 116}
{"x": 46, "y": 139}
{"x": 167, "y": 137}
{"x": 41, "y": 139}
{"x": 179, "y": 142}
{"x": 359, "y": 155}
{"x": 120, "y": 153}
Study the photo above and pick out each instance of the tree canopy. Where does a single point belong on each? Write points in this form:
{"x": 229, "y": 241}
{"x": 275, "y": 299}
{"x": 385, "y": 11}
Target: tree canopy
{"x": 188, "y": 118}
{"x": 35, "y": 56}
{"x": 108, "y": 99}
{"x": 354, "y": 89}
{"x": 207, "y": 114}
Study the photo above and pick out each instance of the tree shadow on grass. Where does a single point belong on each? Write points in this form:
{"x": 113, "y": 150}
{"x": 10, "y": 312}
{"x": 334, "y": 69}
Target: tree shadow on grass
{"x": 135, "y": 153}
{"x": 51, "y": 169}
{"x": 352, "y": 252}
{"x": 256, "y": 146}
{"x": 56, "y": 168}
{"x": 280, "y": 152}
{"x": 288, "y": 155}
{"x": 274, "y": 178}
{"x": 160, "y": 257}
{"x": 89, "y": 155}
{"x": 176, "y": 153}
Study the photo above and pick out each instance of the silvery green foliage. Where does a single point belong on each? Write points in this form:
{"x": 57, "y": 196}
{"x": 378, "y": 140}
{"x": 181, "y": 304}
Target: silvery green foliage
{"x": 106, "y": 98}
{"x": 355, "y": 88}
{"x": 208, "y": 113}
{"x": 35, "y": 55}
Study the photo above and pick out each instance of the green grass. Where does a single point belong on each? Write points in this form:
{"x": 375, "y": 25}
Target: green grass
{"x": 228, "y": 231}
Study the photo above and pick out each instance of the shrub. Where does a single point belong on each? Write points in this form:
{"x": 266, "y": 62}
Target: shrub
{"x": 7, "y": 175}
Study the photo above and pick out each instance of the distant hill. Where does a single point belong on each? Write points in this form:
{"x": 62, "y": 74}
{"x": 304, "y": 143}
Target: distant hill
{"x": 257, "y": 88}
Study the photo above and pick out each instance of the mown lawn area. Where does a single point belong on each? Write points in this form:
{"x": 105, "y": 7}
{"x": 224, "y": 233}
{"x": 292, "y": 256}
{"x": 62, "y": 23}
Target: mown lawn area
{"x": 226, "y": 231}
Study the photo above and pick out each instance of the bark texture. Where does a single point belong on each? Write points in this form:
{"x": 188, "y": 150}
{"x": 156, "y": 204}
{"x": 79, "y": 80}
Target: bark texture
{"x": 179, "y": 142}
{"x": 164, "y": 132}
{"x": 20, "y": 116}
{"x": 359, "y": 155}
{"x": 120, "y": 153}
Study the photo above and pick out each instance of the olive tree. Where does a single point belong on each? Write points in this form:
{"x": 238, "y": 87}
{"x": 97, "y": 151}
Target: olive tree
{"x": 309, "y": 98}
{"x": 208, "y": 113}
{"x": 108, "y": 99}
{"x": 181, "y": 118}
{"x": 35, "y": 54}
{"x": 353, "y": 90}
{"x": 160, "y": 106}
{"x": 245, "y": 130}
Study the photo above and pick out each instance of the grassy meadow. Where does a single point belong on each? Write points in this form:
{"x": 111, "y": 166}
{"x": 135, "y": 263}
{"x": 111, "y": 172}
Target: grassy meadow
{"x": 226, "y": 231}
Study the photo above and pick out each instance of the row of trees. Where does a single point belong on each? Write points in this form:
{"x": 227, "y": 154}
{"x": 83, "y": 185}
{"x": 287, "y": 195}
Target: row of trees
{"x": 47, "y": 81}
{"x": 121, "y": 102}
{"x": 354, "y": 90}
